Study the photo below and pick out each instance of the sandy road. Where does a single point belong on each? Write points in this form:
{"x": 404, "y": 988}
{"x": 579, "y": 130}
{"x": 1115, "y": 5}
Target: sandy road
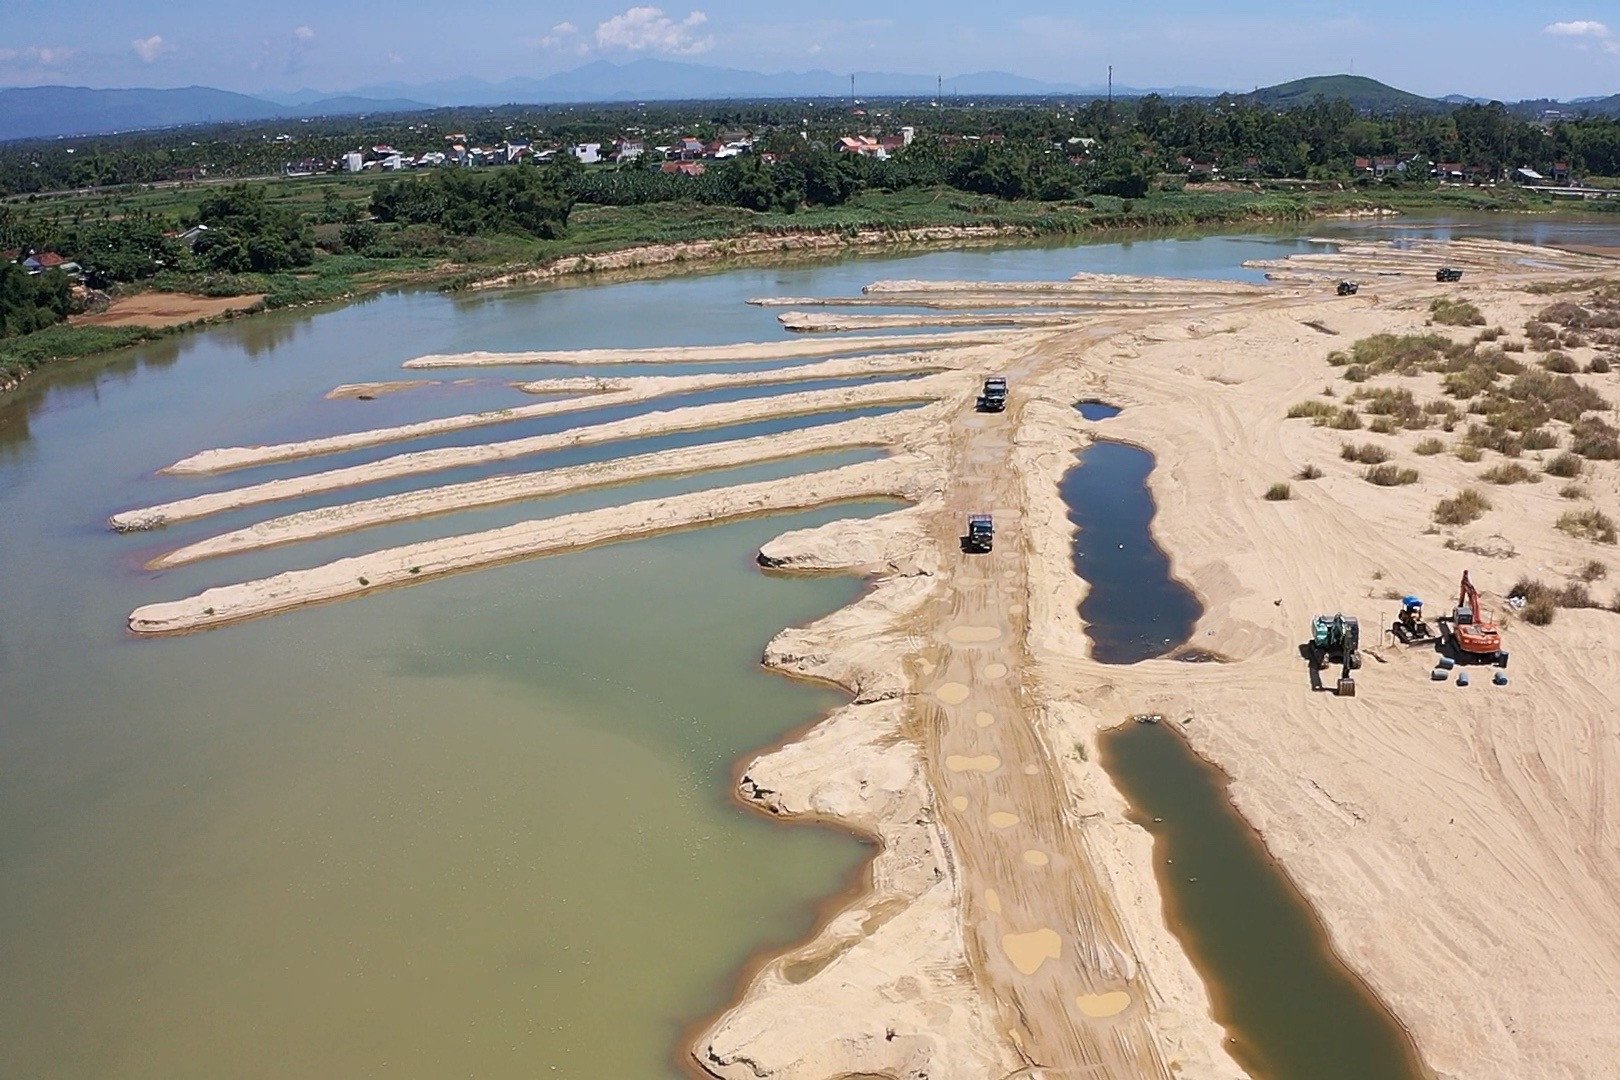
{"x": 1049, "y": 947}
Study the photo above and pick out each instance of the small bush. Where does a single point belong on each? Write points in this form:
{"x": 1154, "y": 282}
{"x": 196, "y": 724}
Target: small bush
{"x": 1430, "y": 446}
{"x": 1598, "y": 366}
{"x": 1560, "y": 363}
{"x": 1575, "y": 594}
{"x": 1382, "y": 425}
{"x": 1468, "y": 452}
{"x": 1345, "y": 420}
{"x": 1509, "y": 472}
{"x": 1513, "y": 346}
{"x": 1491, "y": 334}
{"x": 1539, "y": 439}
{"x": 1572, "y": 491}
{"x": 1594, "y": 438}
{"x": 1309, "y": 472}
{"x": 1565, "y": 465}
{"x": 1594, "y": 570}
{"x": 1316, "y": 410}
{"x": 1589, "y": 524}
{"x": 1390, "y": 476}
{"x": 1366, "y": 453}
{"x": 1448, "y": 312}
{"x": 1540, "y": 611}
{"x": 1465, "y": 506}
{"x": 1355, "y": 373}
{"x": 1279, "y": 492}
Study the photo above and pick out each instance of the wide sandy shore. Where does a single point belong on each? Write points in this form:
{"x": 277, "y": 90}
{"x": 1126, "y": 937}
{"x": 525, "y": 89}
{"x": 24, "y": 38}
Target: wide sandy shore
{"x": 1460, "y": 845}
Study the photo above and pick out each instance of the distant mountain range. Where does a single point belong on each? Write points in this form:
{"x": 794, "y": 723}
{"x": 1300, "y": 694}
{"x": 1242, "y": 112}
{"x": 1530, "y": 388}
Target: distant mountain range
{"x": 49, "y": 111}
{"x": 31, "y": 112}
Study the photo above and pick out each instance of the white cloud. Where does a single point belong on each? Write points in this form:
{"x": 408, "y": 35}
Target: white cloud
{"x": 558, "y": 36}
{"x": 1588, "y": 31}
{"x": 42, "y": 55}
{"x": 150, "y": 48}
{"x": 304, "y": 33}
{"x": 395, "y": 58}
{"x": 648, "y": 29}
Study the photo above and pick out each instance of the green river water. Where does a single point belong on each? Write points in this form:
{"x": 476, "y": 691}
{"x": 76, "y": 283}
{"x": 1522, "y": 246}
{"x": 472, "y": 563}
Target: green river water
{"x": 478, "y": 827}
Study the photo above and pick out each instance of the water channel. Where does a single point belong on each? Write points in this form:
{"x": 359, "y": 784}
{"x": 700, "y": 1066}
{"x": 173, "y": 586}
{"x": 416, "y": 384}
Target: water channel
{"x": 480, "y": 826}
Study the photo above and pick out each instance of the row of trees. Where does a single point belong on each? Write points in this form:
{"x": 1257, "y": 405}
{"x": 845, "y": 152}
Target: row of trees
{"x": 30, "y": 302}
{"x": 1321, "y": 138}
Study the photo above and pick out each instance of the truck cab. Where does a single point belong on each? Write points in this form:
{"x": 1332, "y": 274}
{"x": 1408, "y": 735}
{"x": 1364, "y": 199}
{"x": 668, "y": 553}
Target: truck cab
{"x": 994, "y": 397}
{"x": 1348, "y": 288}
{"x": 1448, "y": 273}
{"x": 981, "y": 532}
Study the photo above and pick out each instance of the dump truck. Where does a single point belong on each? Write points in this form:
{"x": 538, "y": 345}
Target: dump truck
{"x": 994, "y": 397}
{"x": 1448, "y": 273}
{"x": 981, "y": 533}
{"x": 1338, "y": 637}
{"x": 1348, "y": 288}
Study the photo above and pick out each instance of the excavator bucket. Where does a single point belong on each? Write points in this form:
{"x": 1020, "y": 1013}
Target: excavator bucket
{"x": 1346, "y": 688}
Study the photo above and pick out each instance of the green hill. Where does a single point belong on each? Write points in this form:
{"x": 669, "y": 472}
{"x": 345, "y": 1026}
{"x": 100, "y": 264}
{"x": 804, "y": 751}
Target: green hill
{"x": 1367, "y": 95}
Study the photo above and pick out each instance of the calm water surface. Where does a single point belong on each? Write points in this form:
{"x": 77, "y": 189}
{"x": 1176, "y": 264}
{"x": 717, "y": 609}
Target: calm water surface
{"x": 476, "y": 827}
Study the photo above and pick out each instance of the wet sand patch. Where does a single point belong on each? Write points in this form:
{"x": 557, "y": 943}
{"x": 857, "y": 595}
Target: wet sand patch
{"x": 1102, "y": 1006}
{"x": 1029, "y": 951}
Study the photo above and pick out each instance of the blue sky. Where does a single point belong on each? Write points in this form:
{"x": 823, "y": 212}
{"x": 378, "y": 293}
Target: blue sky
{"x": 1482, "y": 47}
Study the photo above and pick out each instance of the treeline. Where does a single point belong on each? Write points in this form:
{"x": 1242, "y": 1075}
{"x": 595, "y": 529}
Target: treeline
{"x": 30, "y": 302}
{"x": 1318, "y": 140}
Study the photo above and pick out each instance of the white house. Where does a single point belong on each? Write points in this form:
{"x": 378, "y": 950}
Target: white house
{"x": 353, "y": 161}
{"x": 588, "y": 153}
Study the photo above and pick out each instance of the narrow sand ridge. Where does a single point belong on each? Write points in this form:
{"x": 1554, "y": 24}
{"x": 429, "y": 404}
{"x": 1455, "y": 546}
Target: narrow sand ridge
{"x": 696, "y": 418}
{"x": 427, "y": 502}
{"x": 740, "y": 353}
{"x": 593, "y": 394}
{"x": 1073, "y": 300}
{"x": 1106, "y": 285}
{"x": 805, "y": 322}
{"x": 896, "y": 478}
{"x": 376, "y": 389}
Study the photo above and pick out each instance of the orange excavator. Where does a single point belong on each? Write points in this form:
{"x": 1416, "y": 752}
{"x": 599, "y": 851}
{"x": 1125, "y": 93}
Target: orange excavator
{"x": 1473, "y": 635}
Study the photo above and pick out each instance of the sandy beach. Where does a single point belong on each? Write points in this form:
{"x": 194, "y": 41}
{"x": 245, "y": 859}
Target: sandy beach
{"x": 1458, "y": 844}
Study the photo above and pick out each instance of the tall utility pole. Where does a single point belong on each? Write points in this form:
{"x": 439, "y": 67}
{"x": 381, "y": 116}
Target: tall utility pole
{"x": 939, "y": 89}
{"x": 1110, "y": 88}
{"x": 852, "y": 89}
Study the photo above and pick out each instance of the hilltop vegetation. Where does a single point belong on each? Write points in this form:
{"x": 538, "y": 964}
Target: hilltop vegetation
{"x": 1363, "y": 94}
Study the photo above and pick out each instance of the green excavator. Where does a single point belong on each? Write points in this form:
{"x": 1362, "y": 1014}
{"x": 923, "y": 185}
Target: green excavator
{"x": 1336, "y": 637}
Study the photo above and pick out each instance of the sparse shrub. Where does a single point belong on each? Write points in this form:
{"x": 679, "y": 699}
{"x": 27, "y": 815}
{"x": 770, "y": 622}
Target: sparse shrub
{"x": 1429, "y": 447}
{"x": 1594, "y": 570}
{"x": 1501, "y": 440}
{"x": 1309, "y": 472}
{"x": 1465, "y": 506}
{"x": 1575, "y": 594}
{"x": 1542, "y": 601}
{"x": 1490, "y": 334}
{"x": 1565, "y": 465}
{"x": 1279, "y": 492}
{"x": 1513, "y": 346}
{"x": 1594, "y": 438}
{"x": 1316, "y": 410}
{"x": 1366, "y": 453}
{"x": 1539, "y": 439}
{"x": 1542, "y": 337}
{"x": 1449, "y": 312}
{"x": 1599, "y": 365}
{"x": 1345, "y": 420}
{"x": 1382, "y": 425}
{"x": 1572, "y": 491}
{"x": 1509, "y": 472}
{"x": 1540, "y": 611}
{"x": 1589, "y": 524}
{"x": 1468, "y": 452}
{"x": 1355, "y": 373}
{"x": 1390, "y": 475}
{"x": 1560, "y": 363}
